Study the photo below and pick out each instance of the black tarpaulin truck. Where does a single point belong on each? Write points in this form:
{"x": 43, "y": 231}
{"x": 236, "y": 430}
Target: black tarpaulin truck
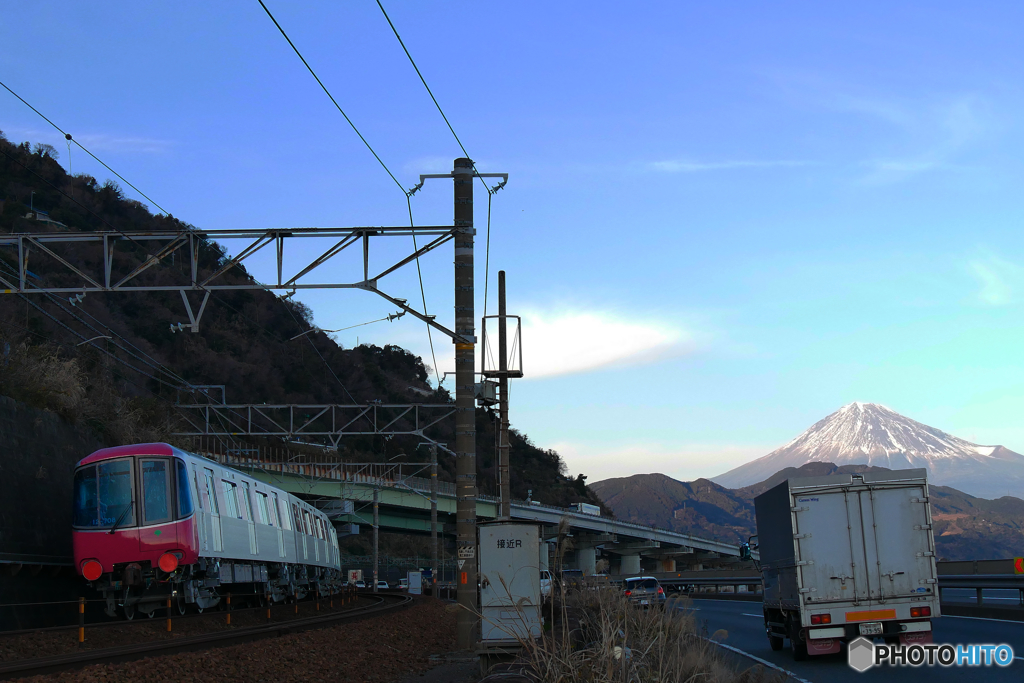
{"x": 847, "y": 555}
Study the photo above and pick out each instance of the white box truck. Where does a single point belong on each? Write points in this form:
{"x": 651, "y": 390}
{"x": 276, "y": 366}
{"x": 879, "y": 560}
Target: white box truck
{"x": 847, "y": 555}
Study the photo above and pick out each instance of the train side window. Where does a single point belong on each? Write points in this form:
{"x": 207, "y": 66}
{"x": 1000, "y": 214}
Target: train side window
{"x": 305, "y": 523}
{"x": 272, "y": 509}
{"x": 185, "y": 507}
{"x": 230, "y": 499}
{"x": 156, "y": 491}
{"x": 286, "y": 522}
{"x": 247, "y": 502}
{"x": 261, "y": 505}
{"x": 211, "y": 494}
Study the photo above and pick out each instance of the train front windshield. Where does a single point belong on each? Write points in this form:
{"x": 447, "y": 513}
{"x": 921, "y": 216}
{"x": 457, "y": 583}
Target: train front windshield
{"x": 103, "y": 495}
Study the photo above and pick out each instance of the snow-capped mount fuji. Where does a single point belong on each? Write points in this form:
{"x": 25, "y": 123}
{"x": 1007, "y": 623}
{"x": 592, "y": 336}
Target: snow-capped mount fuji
{"x": 871, "y": 434}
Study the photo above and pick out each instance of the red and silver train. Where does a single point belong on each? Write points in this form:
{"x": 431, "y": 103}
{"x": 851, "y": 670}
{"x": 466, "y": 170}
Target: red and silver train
{"x": 152, "y": 521}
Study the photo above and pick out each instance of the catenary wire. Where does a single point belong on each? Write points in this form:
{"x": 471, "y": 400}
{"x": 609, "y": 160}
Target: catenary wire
{"x": 328, "y": 93}
{"x": 375, "y": 156}
{"x": 67, "y": 136}
{"x": 122, "y": 233}
{"x": 423, "y": 294}
{"x": 490, "y": 190}
{"x": 429, "y": 92}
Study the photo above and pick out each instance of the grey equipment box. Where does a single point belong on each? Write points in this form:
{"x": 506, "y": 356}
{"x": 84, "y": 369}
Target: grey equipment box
{"x": 509, "y": 582}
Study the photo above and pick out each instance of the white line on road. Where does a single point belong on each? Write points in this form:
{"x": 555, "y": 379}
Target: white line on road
{"x": 759, "y": 660}
{"x": 759, "y": 616}
{"x": 1003, "y": 621}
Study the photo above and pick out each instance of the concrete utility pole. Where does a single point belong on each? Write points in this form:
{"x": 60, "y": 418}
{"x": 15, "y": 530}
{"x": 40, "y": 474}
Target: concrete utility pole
{"x": 504, "y": 484}
{"x": 433, "y": 515}
{"x": 376, "y": 534}
{"x": 467, "y": 621}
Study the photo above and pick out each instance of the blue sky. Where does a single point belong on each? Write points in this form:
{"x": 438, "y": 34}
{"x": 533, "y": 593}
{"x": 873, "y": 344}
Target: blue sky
{"x": 722, "y": 223}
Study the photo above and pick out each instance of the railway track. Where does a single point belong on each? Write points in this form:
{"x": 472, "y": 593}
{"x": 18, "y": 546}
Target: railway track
{"x": 33, "y": 667}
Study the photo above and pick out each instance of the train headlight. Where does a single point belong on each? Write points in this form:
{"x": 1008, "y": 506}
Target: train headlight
{"x": 92, "y": 570}
{"x": 168, "y": 562}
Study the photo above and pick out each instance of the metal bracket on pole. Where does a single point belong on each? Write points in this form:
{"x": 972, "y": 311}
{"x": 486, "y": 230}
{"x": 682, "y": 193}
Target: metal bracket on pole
{"x": 371, "y": 286}
{"x": 193, "y": 318}
{"x": 425, "y": 176}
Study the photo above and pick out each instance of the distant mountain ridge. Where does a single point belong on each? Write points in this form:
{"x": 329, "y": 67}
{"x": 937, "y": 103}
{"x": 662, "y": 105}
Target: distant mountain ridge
{"x": 966, "y": 527}
{"x": 874, "y": 435}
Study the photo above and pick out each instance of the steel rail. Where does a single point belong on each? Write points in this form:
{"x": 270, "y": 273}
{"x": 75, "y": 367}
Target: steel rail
{"x": 34, "y": 667}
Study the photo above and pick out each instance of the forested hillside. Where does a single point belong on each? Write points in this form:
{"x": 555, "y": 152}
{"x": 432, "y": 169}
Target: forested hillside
{"x": 123, "y": 388}
{"x": 966, "y": 527}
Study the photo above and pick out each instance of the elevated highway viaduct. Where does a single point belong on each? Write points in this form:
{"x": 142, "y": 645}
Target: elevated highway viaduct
{"x": 346, "y": 492}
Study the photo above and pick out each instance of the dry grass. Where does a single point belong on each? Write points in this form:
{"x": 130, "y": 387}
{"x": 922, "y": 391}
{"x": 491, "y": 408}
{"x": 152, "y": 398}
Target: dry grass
{"x": 43, "y": 377}
{"x": 599, "y": 637}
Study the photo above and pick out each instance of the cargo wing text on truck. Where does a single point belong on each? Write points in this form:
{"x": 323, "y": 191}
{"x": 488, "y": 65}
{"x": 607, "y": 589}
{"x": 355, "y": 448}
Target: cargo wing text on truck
{"x": 847, "y": 555}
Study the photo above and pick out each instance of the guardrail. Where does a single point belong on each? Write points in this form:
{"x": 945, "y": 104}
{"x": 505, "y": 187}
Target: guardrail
{"x": 978, "y": 582}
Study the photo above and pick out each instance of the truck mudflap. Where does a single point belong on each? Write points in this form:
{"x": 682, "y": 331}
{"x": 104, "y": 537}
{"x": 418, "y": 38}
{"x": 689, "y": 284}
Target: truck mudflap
{"x": 823, "y": 646}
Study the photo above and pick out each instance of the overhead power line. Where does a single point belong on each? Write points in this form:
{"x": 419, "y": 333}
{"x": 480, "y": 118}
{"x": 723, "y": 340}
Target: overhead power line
{"x": 67, "y": 136}
{"x": 429, "y": 92}
{"x": 490, "y": 190}
{"x": 328, "y": 93}
{"x": 376, "y": 156}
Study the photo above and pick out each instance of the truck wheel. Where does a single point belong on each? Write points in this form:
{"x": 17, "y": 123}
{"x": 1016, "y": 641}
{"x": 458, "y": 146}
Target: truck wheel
{"x": 776, "y": 642}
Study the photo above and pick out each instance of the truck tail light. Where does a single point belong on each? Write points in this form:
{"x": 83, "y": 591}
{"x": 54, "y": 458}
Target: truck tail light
{"x": 821, "y": 619}
{"x": 917, "y": 612}
{"x": 661, "y": 591}
{"x": 628, "y": 593}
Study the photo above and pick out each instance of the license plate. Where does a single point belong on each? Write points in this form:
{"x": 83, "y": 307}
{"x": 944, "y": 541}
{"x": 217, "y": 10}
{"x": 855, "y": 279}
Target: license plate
{"x": 871, "y": 629}
{"x": 643, "y": 602}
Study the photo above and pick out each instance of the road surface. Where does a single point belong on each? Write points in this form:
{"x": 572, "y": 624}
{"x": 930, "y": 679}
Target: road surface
{"x": 745, "y": 625}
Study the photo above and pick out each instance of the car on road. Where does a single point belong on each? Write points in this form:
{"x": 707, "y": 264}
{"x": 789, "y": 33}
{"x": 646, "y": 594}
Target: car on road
{"x": 403, "y": 584}
{"x": 360, "y": 584}
{"x": 644, "y": 591}
{"x": 545, "y": 584}
{"x": 382, "y": 585}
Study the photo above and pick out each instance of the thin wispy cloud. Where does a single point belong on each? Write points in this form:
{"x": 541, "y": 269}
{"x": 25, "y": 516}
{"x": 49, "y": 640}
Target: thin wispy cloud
{"x": 94, "y": 142}
{"x": 941, "y": 132}
{"x": 913, "y": 134}
{"x": 573, "y": 341}
{"x": 102, "y": 142}
{"x": 997, "y": 278}
{"x": 686, "y": 166}
{"x": 430, "y": 164}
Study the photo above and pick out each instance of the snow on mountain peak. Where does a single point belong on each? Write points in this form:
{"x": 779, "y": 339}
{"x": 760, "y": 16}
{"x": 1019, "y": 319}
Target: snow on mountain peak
{"x": 862, "y": 433}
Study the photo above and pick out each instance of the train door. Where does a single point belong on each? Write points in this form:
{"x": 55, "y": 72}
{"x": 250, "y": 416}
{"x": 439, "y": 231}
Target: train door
{"x": 203, "y": 513}
{"x": 308, "y": 520}
{"x": 210, "y": 494}
{"x": 251, "y": 523}
{"x": 278, "y": 523}
{"x": 301, "y": 530}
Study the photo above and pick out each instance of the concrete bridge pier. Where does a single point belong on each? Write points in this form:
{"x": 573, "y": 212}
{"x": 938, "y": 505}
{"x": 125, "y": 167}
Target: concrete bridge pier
{"x": 586, "y": 558}
{"x": 629, "y": 564}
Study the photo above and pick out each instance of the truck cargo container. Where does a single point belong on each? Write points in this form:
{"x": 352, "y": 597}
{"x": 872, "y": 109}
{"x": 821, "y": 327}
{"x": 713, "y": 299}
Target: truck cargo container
{"x": 847, "y": 555}
{"x": 588, "y": 509}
